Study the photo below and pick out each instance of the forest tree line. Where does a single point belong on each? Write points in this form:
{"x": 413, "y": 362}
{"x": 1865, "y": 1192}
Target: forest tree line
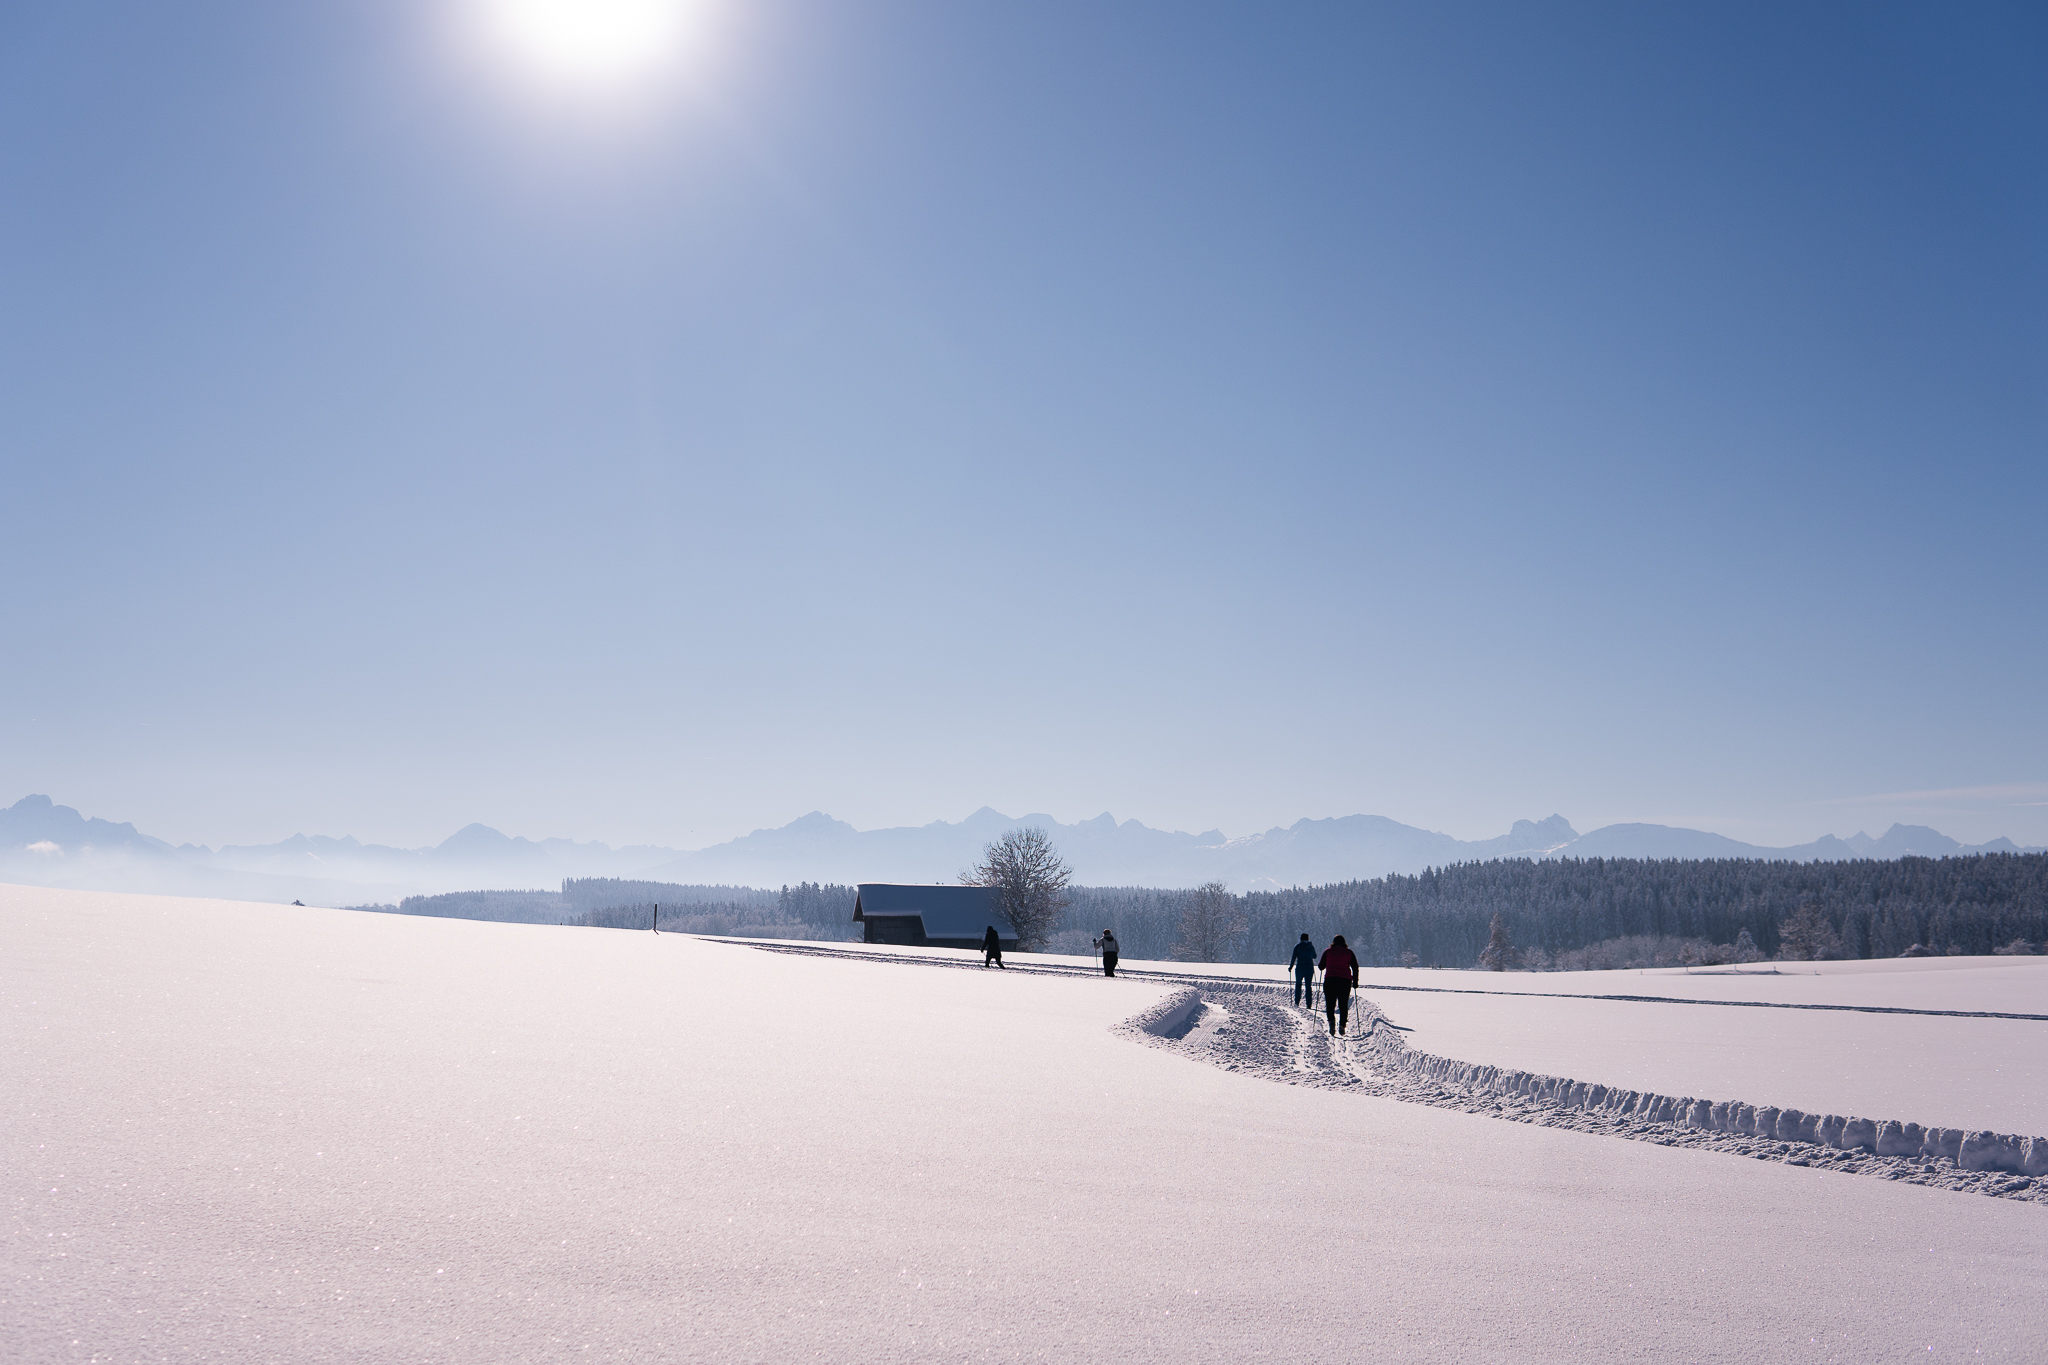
{"x": 807, "y": 910}
{"x": 1565, "y": 912}
{"x": 1558, "y": 913}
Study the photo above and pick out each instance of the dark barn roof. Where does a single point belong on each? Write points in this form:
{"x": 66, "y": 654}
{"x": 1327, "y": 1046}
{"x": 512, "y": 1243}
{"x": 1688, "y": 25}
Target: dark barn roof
{"x": 943, "y": 916}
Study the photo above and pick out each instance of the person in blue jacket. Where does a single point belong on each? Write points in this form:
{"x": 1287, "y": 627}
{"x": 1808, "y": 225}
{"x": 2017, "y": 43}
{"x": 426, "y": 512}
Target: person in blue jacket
{"x": 1304, "y": 972}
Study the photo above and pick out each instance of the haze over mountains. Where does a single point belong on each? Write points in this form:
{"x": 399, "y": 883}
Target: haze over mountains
{"x": 47, "y": 844}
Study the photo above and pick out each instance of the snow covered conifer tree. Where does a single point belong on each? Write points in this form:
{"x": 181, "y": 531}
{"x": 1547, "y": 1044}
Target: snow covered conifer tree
{"x": 1745, "y": 948}
{"x": 1807, "y": 936}
{"x": 1500, "y": 951}
{"x": 1029, "y": 881}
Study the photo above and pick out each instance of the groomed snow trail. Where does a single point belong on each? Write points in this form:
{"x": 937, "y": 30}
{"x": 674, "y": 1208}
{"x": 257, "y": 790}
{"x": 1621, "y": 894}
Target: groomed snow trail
{"x": 1264, "y": 1038}
{"x": 1267, "y": 1035}
{"x": 1303, "y": 1044}
{"x": 1726, "y": 1004}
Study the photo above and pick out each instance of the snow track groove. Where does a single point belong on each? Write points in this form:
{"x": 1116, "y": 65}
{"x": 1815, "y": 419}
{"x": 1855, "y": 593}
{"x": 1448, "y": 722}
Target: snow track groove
{"x": 1268, "y": 1036}
{"x": 1719, "y": 1004}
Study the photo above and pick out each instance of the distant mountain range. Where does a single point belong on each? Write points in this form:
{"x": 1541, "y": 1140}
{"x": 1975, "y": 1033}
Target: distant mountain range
{"x": 1305, "y": 853}
{"x": 46, "y": 844}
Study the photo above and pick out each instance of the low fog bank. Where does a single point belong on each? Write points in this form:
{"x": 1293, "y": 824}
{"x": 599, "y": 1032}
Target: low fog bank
{"x": 805, "y": 911}
{"x": 45, "y": 844}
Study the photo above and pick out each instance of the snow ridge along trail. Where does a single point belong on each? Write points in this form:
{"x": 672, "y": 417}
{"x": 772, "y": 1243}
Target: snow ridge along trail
{"x": 1261, "y": 1032}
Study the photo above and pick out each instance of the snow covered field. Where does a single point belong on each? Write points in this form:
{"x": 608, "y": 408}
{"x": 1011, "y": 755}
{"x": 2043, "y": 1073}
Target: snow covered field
{"x": 243, "y": 1132}
{"x": 1922, "y": 1068}
{"x": 2007, "y": 985}
{"x": 1847, "y": 1058}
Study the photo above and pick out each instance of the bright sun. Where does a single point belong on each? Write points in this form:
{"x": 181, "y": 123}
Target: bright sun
{"x": 592, "y": 41}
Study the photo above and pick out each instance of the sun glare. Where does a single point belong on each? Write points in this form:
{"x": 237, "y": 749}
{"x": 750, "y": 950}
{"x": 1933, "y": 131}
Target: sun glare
{"x": 592, "y": 41}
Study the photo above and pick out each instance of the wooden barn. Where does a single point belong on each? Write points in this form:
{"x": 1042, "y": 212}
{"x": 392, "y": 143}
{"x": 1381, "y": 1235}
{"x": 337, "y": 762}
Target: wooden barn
{"x": 928, "y": 916}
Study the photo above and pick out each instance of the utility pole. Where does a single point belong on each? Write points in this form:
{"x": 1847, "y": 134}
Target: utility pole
{"x": 654, "y": 921}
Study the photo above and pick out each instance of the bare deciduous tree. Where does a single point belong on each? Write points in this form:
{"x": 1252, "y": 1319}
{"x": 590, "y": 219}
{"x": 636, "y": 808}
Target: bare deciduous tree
{"x": 1210, "y": 925}
{"x": 1029, "y": 881}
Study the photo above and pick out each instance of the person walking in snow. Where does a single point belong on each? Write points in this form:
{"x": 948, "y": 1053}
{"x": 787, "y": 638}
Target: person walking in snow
{"x": 1304, "y": 971}
{"x": 992, "y": 948}
{"x": 1106, "y": 945}
{"x": 1340, "y": 974}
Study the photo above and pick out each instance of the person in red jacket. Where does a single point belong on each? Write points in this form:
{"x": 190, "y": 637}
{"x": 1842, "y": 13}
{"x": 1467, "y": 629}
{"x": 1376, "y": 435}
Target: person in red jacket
{"x": 1340, "y": 974}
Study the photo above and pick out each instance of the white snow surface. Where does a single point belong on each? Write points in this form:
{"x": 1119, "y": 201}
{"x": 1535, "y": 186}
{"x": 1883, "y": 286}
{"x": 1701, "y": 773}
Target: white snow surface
{"x": 1919, "y": 1068}
{"x": 241, "y": 1132}
{"x": 2002, "y": 985}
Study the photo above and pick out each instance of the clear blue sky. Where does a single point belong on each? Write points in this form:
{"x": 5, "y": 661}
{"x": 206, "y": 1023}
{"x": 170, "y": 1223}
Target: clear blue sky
{"x": 1212, "y": 414}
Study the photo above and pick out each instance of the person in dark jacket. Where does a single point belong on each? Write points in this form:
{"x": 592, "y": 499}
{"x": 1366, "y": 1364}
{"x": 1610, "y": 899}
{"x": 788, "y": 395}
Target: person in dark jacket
{"x": 1304, "y": 971}
{"x": 992, "y": 948}
{"x": 1340, "y": 974}
{"x": 1107, "y": 946}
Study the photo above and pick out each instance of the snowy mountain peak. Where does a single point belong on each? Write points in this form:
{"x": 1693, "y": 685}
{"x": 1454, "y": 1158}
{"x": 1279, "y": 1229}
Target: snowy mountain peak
{"x": 476, "y": 839}
{"x": 816, "y": 820}
{"x": 1553, "y": 831}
